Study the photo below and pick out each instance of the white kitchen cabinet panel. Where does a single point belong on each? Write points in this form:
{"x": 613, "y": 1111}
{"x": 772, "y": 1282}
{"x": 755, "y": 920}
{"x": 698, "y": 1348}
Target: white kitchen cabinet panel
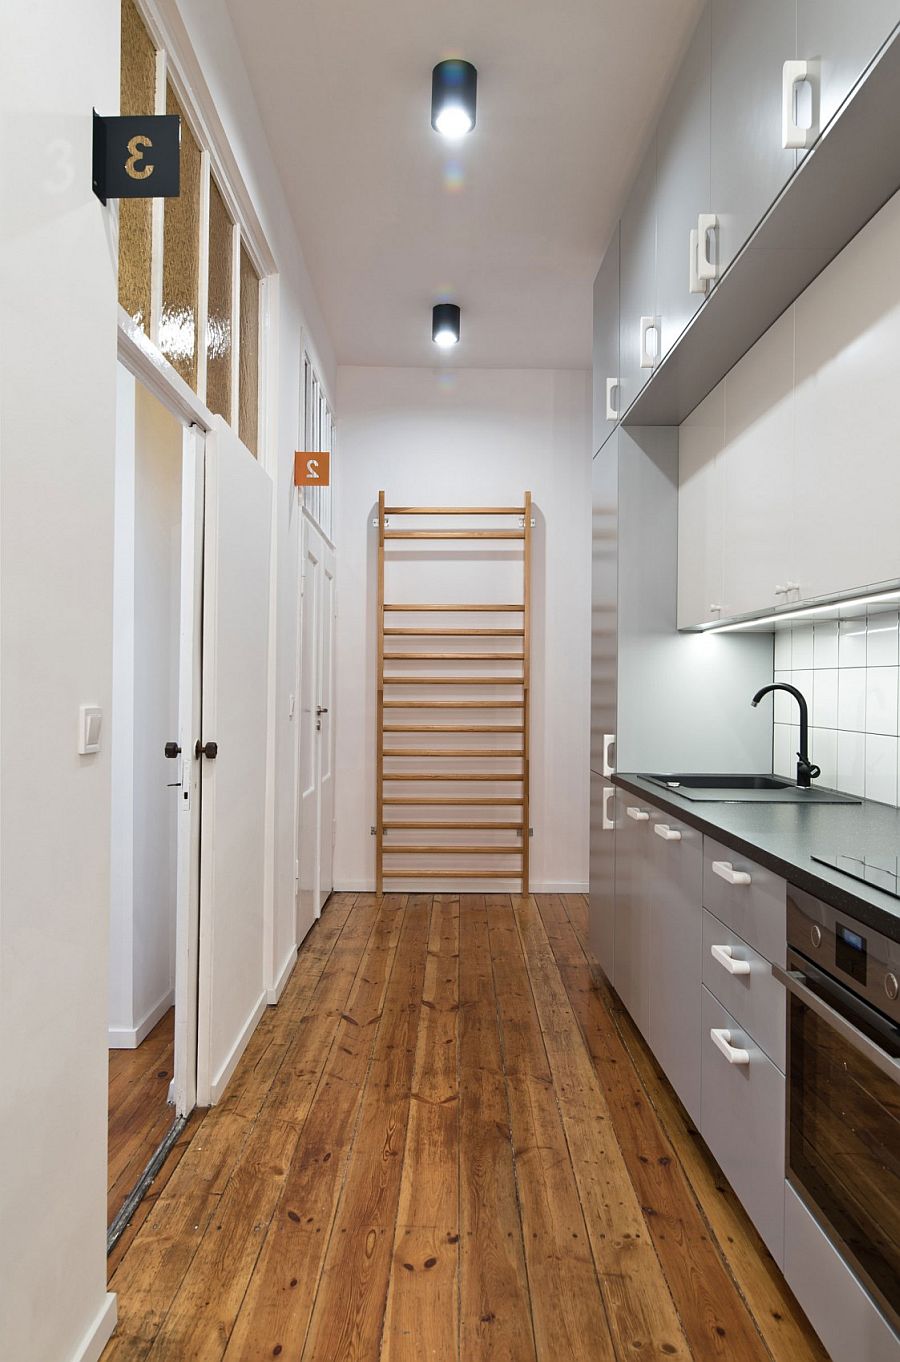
{"x": 606, "y": 343}
{"x": 751, "y": 40}
{"x": 841, "y": 38}
{"x": 759, "y": 520}
{"x": 847, "y": 411}
{"x": 682, "y": 191}
{"x": 601, "y": 918}
{"x": 701, "y": 511}
{"x": 637, "y": 275}
{"x": 632, "y": 928}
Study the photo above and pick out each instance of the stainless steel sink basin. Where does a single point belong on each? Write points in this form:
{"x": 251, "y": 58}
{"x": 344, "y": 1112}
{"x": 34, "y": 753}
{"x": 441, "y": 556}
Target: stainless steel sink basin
{"x": 749, "y": 789}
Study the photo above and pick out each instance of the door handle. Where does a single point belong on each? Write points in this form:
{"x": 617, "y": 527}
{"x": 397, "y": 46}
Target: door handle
{"x": 172, "y": 750}
{"x": 209, "y": 749}
{"x": 321, "y": 710}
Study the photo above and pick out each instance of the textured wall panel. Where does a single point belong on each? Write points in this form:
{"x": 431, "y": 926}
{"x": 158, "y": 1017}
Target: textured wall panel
{"x": 137, "y": 96}
{"x": 248, "y": 388}
{"x": 218, "y": 327}
{"x": 181, "y": 258}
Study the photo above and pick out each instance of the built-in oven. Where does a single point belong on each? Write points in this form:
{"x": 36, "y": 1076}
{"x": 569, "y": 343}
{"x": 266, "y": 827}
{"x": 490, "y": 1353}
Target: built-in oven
{"x": 843, "y": 1087}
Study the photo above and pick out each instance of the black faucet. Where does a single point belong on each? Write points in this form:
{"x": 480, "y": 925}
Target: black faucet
{"x": 806, "y": 771}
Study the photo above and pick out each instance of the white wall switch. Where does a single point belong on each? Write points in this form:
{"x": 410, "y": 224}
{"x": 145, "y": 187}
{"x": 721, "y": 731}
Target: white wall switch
{"x": 90, "y": 722}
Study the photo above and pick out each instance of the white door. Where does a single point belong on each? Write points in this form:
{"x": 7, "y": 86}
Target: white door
{"x": 236, "y": 585}
{"x": 316, "y": 736}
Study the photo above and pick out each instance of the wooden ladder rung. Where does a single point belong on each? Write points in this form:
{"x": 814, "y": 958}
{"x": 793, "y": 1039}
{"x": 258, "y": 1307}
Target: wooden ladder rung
{"x": 454, "y": 534}
{"x": 451, "y": 799}
{"x": 402, "y": 849}
{"x": 454, "y": 704}
{"x": 454, "y": 657}
{"x": 453, "y": 728}
{"x": 453, "y": 680}
{"x": 473, "y": 874}
{"x": 425, "y": 825}
{"x": 452, "y": 609}
{"x": 453, "y": 752}
{"x": 456, "y": 632}
{"x": 453, "y": 775}
{"x": 454, "y": 510}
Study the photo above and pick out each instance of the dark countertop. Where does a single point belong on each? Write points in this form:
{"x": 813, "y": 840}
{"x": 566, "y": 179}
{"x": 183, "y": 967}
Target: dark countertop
{"x": 783, "y": 837}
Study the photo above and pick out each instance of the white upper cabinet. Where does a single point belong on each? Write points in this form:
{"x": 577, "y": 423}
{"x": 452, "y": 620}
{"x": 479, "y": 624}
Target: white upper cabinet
{"x": 840, "y": 38}
{"x": 606, "y": 343}
{"x": 701, "y": 440}
{"x": 638, "y": 320}
{"x": 750, "y": 41}
{"x": 682, "y": 195}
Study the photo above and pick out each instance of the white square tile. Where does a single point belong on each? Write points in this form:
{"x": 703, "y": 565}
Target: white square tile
{"x": 851, "y": 763}
{"x": 825, "y": 644}
{"x": 823, "y": 751}
{"x": 804, "y": 682}
{"x": 783, "y": 649}
{"x": 784, "y": 763}
{"x": 881, "y": 769}
{"x": 783, "y": 702}
{"x": 881, "y": 640}
{"x": 852, "y": 698}
{"x": 881, "y": 699}
{"x": 825, "y": 700}
{"x": 852, "y": 643}
{"x": 802, "y": 647}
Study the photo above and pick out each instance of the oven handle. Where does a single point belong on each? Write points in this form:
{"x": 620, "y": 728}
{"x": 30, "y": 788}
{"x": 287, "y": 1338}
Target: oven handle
{"x": 795, "y": 982}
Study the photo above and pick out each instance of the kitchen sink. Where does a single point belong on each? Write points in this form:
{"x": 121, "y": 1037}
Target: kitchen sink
{"x": 748, "y": 789}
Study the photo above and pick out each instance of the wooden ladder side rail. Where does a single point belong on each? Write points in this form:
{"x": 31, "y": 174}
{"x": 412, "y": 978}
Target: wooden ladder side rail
{"x": 526, "y": 674}
{"x": 379, "y": 712}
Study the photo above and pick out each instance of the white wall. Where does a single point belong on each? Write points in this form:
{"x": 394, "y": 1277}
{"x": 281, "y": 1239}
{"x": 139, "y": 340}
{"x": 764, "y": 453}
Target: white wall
{"x": 57, "y": 447}
{"x": 469, "y": 437}
{"x": 145, "y": 712}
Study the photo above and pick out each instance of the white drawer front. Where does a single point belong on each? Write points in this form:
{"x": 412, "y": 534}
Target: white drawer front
{"x": 741, "y": 979}
{"x": 742, "y": 1119}
{"x": 748, "y": 898}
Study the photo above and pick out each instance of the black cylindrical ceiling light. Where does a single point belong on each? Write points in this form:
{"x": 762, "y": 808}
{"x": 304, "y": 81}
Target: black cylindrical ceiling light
{"x": 453, "y": 84}
{"x": 445, "y": 325}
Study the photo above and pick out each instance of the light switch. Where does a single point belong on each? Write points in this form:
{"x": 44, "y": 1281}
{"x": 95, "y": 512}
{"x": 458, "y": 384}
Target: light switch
{"x": 90, "y": 722}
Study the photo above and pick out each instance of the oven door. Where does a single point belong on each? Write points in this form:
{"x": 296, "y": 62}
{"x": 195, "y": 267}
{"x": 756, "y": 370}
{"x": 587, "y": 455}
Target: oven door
{"x": 843, "y": 1123}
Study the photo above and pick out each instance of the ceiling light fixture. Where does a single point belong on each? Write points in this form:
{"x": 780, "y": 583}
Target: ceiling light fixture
{"x": 453, "y": 84}
{"x": 445, "y": 325}
{"x": 803, "y": 613}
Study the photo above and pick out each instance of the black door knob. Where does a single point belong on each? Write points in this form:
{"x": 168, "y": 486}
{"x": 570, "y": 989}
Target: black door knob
{"x": 209, "y": 749}
{"x": 172, "y": 749}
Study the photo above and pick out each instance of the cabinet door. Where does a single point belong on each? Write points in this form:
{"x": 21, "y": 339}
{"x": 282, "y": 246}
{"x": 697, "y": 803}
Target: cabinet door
{"x": 759, "y": 549}
{"x": 601, "y": 913}
{"x": 676, "y": 938}
{"x": 701, "y": 509}
{"x": 604, "y": 605}
{"x": 751, "y": 41}
{"x": 682, "y": 185}
{"x": 632, "y": 927}
{"x": 842, "y": 38}
{"x": 637, "y": 274}
{"x": 606, "y": 342}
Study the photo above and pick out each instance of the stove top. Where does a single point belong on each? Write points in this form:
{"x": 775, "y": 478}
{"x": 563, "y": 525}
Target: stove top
{"x": 881, "y": 872}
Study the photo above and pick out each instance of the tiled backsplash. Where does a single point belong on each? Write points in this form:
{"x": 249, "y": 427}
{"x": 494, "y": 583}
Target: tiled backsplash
{"x": 849, "y": 671}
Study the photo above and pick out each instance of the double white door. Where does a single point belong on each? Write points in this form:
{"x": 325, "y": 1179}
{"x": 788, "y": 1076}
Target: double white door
{"x": 315, "y": 849}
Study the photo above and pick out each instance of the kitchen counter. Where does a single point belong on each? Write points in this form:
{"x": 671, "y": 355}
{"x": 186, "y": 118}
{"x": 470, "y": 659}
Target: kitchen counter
{"x": 783, "y": 837}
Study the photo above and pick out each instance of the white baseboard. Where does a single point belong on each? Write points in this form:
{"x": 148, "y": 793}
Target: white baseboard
{"x": 100, "y": 1332}
{"x": 220, "y": 1082}
{"x": 477, "y": 887}
{"x": 129, "y": 1038}
{"x": 287, "y": 969}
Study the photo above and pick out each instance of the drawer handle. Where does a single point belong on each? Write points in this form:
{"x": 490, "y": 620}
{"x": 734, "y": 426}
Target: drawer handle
{"x": 696, "y": 284}
{"x": 612, "y": 387}
{"x": 795, "y": 73}
{"x": 721, "y": 1038}
{"x": 666, "y": 833}
{"x": 639, "y": 815}
{"x": 607, "y": 820}
{"x": 707, "y": 226}
{"x": 723, "y": 955}
{"x": 649, "y": 329}
{"x": 609, "y": 742}
{"x": 726, "y": 871}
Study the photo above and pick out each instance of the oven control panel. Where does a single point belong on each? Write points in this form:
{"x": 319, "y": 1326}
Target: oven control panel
{"x": 864, "y": 960}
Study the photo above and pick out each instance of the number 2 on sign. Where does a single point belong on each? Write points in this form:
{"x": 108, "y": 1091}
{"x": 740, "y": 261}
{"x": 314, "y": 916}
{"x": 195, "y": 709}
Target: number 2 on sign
{"x": 312, "y": 468}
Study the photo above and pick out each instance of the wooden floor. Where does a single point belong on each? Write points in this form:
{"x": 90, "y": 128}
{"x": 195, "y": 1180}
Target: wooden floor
{"x": 447, "y": 1143}
{"x": 139, "y": 1112}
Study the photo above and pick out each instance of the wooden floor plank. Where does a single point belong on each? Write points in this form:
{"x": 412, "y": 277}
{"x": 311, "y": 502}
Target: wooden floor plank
{"x": 139, "y": 1110}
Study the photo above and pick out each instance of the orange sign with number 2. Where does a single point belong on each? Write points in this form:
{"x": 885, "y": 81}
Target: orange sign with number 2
{"x": 312, "y": 468}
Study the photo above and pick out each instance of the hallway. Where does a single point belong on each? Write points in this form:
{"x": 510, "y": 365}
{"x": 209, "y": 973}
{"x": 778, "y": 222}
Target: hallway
{"x": 446, "y": 1143}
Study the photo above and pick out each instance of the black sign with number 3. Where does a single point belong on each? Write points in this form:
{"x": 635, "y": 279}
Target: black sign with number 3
{"x": 137, "y": 157}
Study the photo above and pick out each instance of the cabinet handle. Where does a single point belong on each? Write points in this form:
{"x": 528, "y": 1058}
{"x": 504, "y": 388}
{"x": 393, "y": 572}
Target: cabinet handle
{"x": 608, "y": 743}
{"x": 607, "y": 822}
{"x": 649, "y": 325}
{"x": 721, "y": 1038}
{"x": 695, "y": 283}
{"x": 723, "y": 955}
{"x": 612, "y": 386}
{"x": 639, "y": 815}
{"x": 666, "y": 833}
{"x": 795, "y": 73}
{"x": 726, "y": 871}
{"x": 707, "y": 267}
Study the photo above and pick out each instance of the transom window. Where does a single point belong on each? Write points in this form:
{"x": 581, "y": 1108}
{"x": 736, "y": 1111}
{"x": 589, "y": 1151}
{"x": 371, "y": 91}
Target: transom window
{"x": 318, "y": 434}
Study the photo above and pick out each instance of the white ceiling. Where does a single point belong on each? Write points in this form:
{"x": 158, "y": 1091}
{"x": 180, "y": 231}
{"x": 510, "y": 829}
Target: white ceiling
{"x": 510, "y": 222}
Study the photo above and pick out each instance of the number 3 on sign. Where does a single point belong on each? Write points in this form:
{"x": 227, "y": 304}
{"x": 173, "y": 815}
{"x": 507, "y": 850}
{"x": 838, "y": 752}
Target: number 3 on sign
{"x": 312, "y": 468}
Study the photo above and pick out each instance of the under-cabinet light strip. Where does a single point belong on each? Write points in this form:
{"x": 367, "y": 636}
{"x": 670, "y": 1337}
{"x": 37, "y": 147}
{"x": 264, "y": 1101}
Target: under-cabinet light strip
{"x": 806, "y": 612}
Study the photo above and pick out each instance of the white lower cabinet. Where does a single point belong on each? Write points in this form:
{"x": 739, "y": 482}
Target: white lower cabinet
{"x": 675, "y": 872}
{"x": 632, "y": 916}
{"x": 742, "y": 1097}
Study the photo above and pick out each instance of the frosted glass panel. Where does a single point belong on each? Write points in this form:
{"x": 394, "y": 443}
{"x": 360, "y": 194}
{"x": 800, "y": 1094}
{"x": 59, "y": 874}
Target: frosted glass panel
{"x": 137, "y": 95}
{"x": 181, "y": 258}
{"x": 218, "y": 328}
{"x": 248, "y": 390}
